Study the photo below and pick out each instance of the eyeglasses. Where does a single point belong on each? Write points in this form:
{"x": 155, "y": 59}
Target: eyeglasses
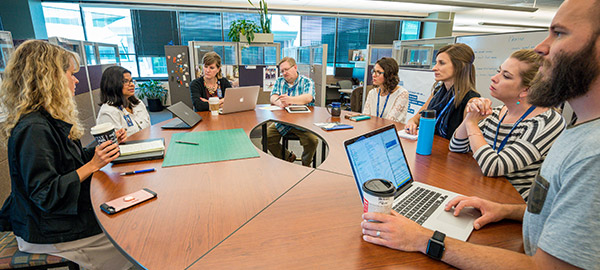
{"x": 126, "y": 82}
{"x": 375, "y": 72}
{"x": 286, "y": 70}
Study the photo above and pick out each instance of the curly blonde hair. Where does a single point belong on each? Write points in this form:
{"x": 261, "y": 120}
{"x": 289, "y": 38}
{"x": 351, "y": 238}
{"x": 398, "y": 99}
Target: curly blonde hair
{"x": 35, "y": 79}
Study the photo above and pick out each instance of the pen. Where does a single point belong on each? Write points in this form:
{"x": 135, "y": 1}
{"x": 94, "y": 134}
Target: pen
{"x": 139, "y": 171}
{"x": 184, "y": 142}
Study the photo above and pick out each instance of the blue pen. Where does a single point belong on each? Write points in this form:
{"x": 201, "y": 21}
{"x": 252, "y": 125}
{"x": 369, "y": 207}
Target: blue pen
{"x": 140, "y": 171}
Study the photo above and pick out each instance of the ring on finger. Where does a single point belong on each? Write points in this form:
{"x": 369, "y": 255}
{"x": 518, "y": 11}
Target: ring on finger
{"x": 378, "y": 233}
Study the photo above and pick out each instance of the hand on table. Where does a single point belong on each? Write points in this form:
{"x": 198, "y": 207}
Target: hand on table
{"x": 395, "y": 231}
{"x": 412, "y": 126}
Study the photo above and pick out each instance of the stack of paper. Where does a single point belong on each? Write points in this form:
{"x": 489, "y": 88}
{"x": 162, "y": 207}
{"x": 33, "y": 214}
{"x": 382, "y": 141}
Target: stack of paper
{"x": 141, "y": 147}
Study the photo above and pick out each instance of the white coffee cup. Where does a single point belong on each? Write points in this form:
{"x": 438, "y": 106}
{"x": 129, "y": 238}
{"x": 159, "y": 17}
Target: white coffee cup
{"x": 213, "y": 105}
{"x": 378, "y": 196}
{"x": 104, "y": 132}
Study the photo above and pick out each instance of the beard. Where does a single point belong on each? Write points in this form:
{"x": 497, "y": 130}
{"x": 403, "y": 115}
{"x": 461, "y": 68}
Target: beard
{"x": 571, "y": 75}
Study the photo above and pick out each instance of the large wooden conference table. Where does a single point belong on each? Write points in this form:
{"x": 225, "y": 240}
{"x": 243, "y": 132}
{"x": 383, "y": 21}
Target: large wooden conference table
{"x": 266, "y": 213}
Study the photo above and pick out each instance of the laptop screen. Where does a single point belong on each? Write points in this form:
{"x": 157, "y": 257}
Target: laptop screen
{"x": 378, "y": 154}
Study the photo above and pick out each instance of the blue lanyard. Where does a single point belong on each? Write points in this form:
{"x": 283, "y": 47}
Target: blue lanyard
{"x": 126, "y": 117}
{"x": 384, "y": 105}
{"x": 443, "y": 110}
{"x": 511, "y": 130}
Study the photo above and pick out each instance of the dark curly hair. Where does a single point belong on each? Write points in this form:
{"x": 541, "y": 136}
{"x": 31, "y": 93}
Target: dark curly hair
{"x": 111, "y": 88}
{"x": 390, "y": 73}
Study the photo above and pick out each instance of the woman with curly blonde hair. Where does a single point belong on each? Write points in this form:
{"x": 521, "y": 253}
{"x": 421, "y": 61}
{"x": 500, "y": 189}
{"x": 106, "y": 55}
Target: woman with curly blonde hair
{"x": 49, "y": 208}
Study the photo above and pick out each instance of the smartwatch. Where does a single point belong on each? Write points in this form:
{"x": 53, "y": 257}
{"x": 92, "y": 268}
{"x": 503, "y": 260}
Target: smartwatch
{"x": 435, "y": 247}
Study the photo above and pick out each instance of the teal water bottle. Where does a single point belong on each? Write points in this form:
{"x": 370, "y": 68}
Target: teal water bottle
{"x": 426, "y": 131}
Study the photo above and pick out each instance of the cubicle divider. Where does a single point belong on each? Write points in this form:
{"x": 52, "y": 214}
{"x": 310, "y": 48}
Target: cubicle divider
{"x": 95, "y": 57}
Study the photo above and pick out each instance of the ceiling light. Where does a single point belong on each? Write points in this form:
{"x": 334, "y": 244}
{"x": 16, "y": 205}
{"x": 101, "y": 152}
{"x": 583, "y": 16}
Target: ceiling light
{"x": 467, "y": 4}
{"x": 513, "y": 25}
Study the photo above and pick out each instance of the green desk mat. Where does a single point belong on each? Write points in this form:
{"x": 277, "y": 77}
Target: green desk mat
{"x": 217, "y": 145}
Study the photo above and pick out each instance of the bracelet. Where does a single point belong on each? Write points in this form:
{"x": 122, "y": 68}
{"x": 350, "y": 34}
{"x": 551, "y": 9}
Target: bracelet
{"x": 476, "y": 133}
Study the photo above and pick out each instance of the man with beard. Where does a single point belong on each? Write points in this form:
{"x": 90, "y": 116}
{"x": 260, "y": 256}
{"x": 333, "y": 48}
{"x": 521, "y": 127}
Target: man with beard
{"x": 562, "y": 218}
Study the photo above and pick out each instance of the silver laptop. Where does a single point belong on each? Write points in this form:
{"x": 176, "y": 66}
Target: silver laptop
{"x": 186, "y": 117}
{"x": 379, "y": 154}
{"x": 240, "y": 99}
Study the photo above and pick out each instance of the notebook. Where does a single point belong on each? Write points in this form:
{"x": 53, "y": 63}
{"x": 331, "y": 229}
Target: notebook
{"x": 141, "y": 150}
{"x": 240, "y": 99}
{"x": 379, "y": 154}
{"x": 186, "y": 117}
{"x": 333, "y": 126}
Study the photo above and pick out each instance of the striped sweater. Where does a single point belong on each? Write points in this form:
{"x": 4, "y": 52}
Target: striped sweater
{"x": 524, "y": 151}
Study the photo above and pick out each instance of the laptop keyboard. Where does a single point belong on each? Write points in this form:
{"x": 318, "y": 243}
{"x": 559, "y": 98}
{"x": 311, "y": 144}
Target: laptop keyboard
{"x": 420, "y": 204}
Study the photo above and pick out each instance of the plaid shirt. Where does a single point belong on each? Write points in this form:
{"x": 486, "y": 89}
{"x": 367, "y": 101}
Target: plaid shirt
{"x": 302, "y": 85}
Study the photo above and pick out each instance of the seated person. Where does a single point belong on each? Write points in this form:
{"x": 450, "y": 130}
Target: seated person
{"x": 388, "y": 100}
{"x": 291, "y": 89}
{"x": 510, "y": 140}
{"x": 562, "y": 217}
{"x": 119, "y": 105}
{"x": 454, "y": 86}
{"x": 49, "y": 208}
{"x": 211, "y": 84}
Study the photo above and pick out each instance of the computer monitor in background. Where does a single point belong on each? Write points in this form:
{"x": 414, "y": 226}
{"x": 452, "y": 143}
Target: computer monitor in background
{"x": 343, "y": 72}
{"x": 358, "y": 74}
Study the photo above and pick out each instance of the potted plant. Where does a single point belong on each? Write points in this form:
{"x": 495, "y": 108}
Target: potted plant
{"x": 263, "y": 11}
{"x": 243, "y": 28}
{"x": 154, "y": 93}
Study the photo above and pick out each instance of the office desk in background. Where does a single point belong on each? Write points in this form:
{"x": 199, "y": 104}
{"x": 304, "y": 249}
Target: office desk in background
{"x": 267, "y": 213}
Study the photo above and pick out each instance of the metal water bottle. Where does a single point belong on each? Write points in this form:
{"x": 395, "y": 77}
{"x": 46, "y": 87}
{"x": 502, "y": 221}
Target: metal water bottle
{"x": 426, "y": 131}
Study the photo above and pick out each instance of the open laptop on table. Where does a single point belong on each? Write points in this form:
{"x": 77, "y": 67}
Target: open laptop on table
{"x": 240, "y": 99}
{"x": 186, "y": 117}
{"x": 379, "y": 154}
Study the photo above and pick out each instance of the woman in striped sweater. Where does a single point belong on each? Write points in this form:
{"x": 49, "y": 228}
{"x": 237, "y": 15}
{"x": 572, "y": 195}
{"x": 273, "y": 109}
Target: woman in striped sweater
{"x": 510, "y": 140}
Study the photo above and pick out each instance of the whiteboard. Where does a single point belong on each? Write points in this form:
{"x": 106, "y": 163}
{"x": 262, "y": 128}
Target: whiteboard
{"x": 418, "y": 83}
{"x": 491, "y": 51}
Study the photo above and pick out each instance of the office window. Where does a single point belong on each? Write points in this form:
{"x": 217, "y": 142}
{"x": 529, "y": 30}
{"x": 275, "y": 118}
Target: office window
{"x": 353, "y": 34}
{"x": 286, "y": 30}
{"x": 197, "y": 26}
{"x": 410, "y": 30}
{"x": 63, "y": 20}
{"x": 384, "y": 32}
{"x": 112, "y": 25}
{"x": 319, "y": 30}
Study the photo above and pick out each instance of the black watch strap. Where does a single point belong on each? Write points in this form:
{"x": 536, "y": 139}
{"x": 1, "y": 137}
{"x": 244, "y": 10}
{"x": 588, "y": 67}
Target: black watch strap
{"x": 435, "y": 247}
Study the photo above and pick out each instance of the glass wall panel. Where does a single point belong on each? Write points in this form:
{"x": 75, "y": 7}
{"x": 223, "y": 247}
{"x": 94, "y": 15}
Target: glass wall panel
{"x": 199, "y": 26}
{"x": 63, "y": 20}
{"x": 319, "y": 30}
{"x": 353, "y": 34}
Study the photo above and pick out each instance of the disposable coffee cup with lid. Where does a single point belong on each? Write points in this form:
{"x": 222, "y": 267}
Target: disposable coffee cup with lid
{"x": 104, "y": 132}
{"x": 378, "y": 196}
{"x": 213, "y": 105}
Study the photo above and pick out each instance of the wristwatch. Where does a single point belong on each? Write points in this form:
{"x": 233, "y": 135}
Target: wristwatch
{"x": 435, "y": 247}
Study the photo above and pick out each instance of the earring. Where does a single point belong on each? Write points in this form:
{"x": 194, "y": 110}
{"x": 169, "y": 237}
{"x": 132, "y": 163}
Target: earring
{"x": 519, "y": 102}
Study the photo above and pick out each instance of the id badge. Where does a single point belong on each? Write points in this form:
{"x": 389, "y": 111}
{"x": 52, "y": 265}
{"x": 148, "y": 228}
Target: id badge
{"x": 128, "y": 120}
{"x": 537, "y": 194}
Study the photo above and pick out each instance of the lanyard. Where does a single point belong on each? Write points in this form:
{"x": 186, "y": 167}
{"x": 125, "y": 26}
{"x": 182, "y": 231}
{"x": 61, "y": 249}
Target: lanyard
{"x": 443, "y": 110}
{"x": 511, "y": 130}
{"x": 384, "y": 105}
{"x": 126, "y": 117}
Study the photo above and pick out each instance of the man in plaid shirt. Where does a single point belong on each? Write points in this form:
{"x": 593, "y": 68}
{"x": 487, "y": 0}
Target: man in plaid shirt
{"x": 290, "y": 89}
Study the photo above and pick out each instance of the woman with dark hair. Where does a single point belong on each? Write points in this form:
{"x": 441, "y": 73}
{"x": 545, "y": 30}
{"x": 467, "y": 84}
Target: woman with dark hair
{"x": 454, "y": 86}
{"x": 388, "y": 100}
{"x": 211, "y": 84}
{"x": 119, "y": 105}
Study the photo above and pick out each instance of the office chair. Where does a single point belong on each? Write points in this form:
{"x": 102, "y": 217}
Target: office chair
{"x": 292, "y": 137}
